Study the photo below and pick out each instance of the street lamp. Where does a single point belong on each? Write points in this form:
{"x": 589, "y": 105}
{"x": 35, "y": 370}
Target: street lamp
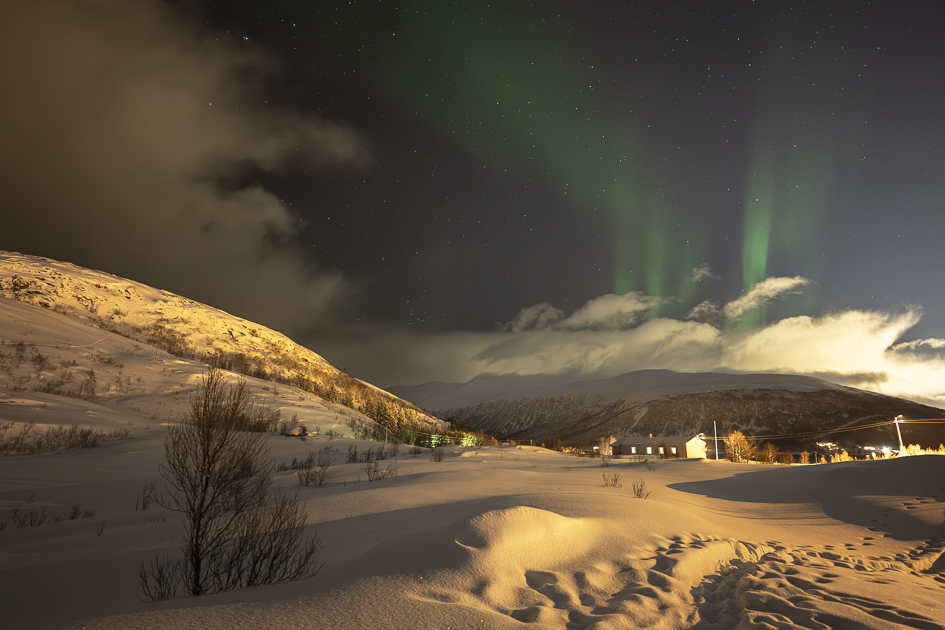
{"x": 898, "y": 420}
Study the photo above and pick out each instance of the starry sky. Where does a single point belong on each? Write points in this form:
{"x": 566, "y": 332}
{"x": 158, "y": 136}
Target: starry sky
{"x": 426, "y": 190}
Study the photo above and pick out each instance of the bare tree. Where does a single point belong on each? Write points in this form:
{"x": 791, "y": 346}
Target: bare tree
{"x": 237, "y": 530}
{"x": 738, "y": 447}
{"x": 768, "y": 453}
{"x": 604, "y": 445}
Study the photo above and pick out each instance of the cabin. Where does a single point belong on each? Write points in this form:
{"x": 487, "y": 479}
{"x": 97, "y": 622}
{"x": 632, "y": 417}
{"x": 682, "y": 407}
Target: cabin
{"x": 653, "y": 447}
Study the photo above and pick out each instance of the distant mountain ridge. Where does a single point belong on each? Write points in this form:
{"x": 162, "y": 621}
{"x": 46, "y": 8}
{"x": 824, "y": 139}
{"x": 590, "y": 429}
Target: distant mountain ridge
{"x": 640, "y": 384}
{"x": 663, "y": 402}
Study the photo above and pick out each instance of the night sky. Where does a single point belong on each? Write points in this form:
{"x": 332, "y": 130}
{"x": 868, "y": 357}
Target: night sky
{"x": 430, "y": 190}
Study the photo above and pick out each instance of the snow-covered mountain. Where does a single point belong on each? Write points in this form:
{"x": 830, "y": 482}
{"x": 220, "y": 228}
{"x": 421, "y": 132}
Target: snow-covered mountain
{"x": 95, "y": 321}
{"x": 663, "y": 402}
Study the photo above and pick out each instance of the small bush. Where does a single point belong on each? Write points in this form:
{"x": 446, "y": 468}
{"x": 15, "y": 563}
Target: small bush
{"x": 40, "y": 362}
{"x": 314, "y": 471}
{"x": 415, "y": 451}
{"x": 148, "y": 494}
{"x": 73, "y": 514}
{"x": 606, "y": 461}
{"x": 612, "y": 480}
{"x": 436, "y": 454}
{"x": 374, "y": 454}
{"x": 29, "y": 518}
{"x": 650, "y": 464}
{"x": 286, "y": 425}
{"x": 60, "y": 438}
{"x": 639, "y": 490}
{"x": 376, "y": 473}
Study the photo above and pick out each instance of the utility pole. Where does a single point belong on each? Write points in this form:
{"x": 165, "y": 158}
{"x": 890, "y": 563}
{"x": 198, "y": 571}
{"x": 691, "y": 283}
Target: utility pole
{"x": 901, "y": 448}
{"x": 715, "y": 430}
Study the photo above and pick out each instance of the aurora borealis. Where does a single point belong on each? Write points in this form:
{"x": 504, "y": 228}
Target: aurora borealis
{"x": 639, "y": 140}
{"x": 426, "y": 190}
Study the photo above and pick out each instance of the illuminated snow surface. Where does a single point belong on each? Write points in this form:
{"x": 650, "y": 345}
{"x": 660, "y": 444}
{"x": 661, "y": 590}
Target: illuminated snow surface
{"x": 491, "y": 537}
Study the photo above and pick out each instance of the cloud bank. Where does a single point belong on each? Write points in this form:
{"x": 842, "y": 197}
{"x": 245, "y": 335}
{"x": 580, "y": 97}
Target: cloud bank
{"x": 119, "y": 120}
{"x": 613, "y": 334}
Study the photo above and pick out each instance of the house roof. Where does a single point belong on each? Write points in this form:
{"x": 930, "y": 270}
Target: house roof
{"x": 657, "y": 439}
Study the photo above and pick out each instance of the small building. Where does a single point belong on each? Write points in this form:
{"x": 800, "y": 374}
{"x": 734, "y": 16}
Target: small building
{"x": 659, "y": 446}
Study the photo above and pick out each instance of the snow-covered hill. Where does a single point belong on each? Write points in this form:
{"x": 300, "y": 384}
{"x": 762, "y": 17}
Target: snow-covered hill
{"x": 61, "y": 323}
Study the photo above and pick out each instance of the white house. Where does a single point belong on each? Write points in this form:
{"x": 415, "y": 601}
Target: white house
{"x": 660, "y": 446}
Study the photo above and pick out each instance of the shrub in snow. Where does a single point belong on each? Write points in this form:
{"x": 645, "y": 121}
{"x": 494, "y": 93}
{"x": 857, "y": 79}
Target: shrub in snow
{"x": 313, "y": 471}
{"x": 639, "y": 489}
{"x": 238, "y": 530}
{"x": 376, "y": 473}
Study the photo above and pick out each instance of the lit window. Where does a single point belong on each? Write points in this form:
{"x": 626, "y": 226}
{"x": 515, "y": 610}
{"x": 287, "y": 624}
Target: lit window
{"x": 673, "y": 450}
{"x": 649, "y": 450}
{"x": 633, "y": 450}
{"x": 661, "y": 450}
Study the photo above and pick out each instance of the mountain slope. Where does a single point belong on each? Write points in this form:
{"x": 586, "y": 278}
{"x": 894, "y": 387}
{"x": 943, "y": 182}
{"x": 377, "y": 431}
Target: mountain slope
{"x": 638, "y": 385}
{"x": 662, "y": 402}
{"x": 191, "y": 330}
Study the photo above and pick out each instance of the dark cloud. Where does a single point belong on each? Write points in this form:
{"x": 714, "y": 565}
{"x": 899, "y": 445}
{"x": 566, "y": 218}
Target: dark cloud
{"x": 119, "y": 120}
{"x": 536, "y": 317}
{"x": 705, "y": 311}
{"x": 703, "y": 272}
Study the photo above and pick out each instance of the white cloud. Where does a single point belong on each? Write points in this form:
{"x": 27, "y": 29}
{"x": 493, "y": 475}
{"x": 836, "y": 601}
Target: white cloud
{"x": 845, "y": 342}
{"x": 854, "y": 348}
{"x": 611, "y": 312}
{"x": 607, "y": 312}
{"x": 762, "y": 293}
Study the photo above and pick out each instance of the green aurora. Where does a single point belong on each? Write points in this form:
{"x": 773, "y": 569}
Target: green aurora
{"x": 506, "y": 87}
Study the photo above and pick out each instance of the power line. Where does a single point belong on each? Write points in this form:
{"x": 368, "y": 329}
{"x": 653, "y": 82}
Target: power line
{"x": 821, "y": 432}
{"x": 843, "y": 430}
